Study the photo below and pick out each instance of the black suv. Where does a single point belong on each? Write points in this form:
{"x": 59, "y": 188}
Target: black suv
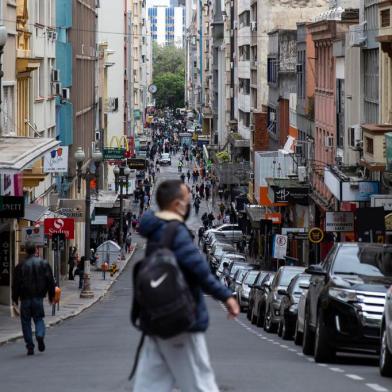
{"x": 345, "y": 301}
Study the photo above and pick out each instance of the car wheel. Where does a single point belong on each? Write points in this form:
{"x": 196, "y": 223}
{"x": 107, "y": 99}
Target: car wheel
{"x": 297, "y": 335}
{"x": 249, "y": 312}
{"x": 308, "y": 338}
{"x": 253, "y": 317}
{"x": 385, "y": 356}
{"x": 323, "y": 350}
{"x": 269, "y": 326}
{"x": 280, "y": 327}
{"x": 260, "y": 319}
{"x": 286, "y": 330}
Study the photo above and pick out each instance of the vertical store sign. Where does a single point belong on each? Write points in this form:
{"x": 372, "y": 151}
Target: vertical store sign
{"x": 5, "y": 258}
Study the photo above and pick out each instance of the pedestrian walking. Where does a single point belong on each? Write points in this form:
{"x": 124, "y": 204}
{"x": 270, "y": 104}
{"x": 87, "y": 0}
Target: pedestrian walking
{"x": 181, "y": 360}
{"x": 196, "y": 204}
{"x": 33, "y": 280}
{"x": 188, "y": 175}
{"x": 128, "y": 242}
{"x": 182, "y": 177}
{"x": 80, "y": 271}
{"x": 211, "y": 219}
{"x": 72, "y": 262}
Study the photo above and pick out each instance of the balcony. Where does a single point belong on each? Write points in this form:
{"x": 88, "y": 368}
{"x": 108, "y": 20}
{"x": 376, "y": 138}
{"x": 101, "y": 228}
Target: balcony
{"x": 385, "y": 29}
{"x": 357, "y": 35}
{"x": 111, "y": 105}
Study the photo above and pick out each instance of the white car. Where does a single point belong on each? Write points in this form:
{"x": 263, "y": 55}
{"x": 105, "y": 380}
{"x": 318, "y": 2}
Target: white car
{"x": 165, "y": 159}
{"x": 229, "y": 230}
{"x": 227, "y": 258}
{"x": 244, "y": 290}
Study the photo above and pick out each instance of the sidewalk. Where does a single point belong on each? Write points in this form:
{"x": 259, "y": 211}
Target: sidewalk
{"x": 70, "y": 306}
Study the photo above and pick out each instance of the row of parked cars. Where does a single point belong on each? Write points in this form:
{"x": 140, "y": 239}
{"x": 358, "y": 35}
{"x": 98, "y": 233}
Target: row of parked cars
{"x": 343, "y": 304}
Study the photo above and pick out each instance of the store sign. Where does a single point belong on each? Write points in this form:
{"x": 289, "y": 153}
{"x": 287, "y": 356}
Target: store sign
{"x": 279, "y": 249}
{"x": 284, "y": 195}
{"x": 33, "y": 234}
{"x": 73, "y": 208}
{"x": 5, "y": 258}
{"x": 340, "y": 221}
{"x": 113, "y": 153}
{"x": 60, "y": 225}
{"x": 56, "y": 161}
{"x": 137, "y": 163}
{"x": 11, "y": 184}
{"x": 384, "y": 201}
{"x": 11, "y": 207}
{"x": 355, "y": 191}
{"x": 315, "y": 235}
{"x": 286, "y": 230}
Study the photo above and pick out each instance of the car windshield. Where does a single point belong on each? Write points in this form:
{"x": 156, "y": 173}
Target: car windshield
{"x": 236, "y": 267}
{"x": 287, "y": 275}
{"x": 363, "y": 259}
{"x": 297, "y": 290}
{"x": 165, "y": 156}
{"x": 241, "y": 274}
{"x": 251, "y": 277}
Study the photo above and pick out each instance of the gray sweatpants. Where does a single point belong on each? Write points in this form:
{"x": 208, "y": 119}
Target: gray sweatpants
{"x": 181, "y": 362}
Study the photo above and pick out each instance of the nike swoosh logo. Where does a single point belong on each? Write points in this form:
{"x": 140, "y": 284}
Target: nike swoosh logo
{"x": 156, "y": 283}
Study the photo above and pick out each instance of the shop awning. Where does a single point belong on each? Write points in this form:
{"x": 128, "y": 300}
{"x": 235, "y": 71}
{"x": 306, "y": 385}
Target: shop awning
{"x": 33, "y": 212}
{"x": 106, "y": 199}
{"x": 17, "y": 153}
{"x": 256, "y": 214}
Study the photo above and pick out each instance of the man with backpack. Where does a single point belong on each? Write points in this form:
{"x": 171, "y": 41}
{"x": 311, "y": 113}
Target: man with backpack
{"x": 169, "y": 305}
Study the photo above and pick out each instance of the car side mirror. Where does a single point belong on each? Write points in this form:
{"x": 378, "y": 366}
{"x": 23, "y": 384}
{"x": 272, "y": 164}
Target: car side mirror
{"x": 315, "y": 269}
{"x": 304, "y": 286}
{"x": 282, "y": 292}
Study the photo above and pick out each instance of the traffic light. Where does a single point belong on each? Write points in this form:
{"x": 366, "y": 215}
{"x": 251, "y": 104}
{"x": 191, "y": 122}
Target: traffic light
{"x": 58, "y": 242}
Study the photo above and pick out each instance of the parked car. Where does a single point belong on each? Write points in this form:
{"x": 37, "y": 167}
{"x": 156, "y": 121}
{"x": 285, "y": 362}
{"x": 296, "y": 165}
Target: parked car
{"x": 345, "y": 301}
{"x": 258, "y": 309}
{"x": 243, "y": 289}
{"x": 213, "y": 237}
{"x": 228, "y": 258}
{"x": 229, "y": 230}
{"x": 238, "y": 278}
{"x": 386, "y": 337}
{"x": 272, "y": 303}
{"x": 217, "y": 252}
{"x": 289, "y": 305}
{"x": 253, "y": 288}
{"x": 165, "y": 159}
{"x": 218, "y": 240}
{"x": 234, "y": 265}
{"x": 299, "y": 326}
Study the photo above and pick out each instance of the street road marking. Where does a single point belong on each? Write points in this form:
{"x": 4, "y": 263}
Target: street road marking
{"x": 283, "y": 346}
{"x": 377, "y": 388}
{"x": 293, "y": 350}
{"x": 354, "y": 377}
{"x": 322, "y": 364}
{"x": 300, "y": 354}
{"x": 335, "y": 369}
{"x": 310, "y": 359}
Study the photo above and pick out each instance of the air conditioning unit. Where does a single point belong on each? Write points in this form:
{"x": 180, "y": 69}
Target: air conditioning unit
{"x": 56, "y": 88}
{"x": 329, "y": 141}
{"x": 302, "y": 175}
{"x": 299, "y": 68}
{"x": 253, "y": 26}
{"x": 66, "y": 93}
{"x": 354, "y": 135}
{"x": 55, "y": 75}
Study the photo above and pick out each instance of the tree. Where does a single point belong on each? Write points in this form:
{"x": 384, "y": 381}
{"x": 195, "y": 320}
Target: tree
{"x": 170, "y": 90}
{"x": 168, "y": 59}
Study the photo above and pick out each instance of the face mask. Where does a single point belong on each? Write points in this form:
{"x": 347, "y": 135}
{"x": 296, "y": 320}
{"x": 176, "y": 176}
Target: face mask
{"x": 187, "y": 213}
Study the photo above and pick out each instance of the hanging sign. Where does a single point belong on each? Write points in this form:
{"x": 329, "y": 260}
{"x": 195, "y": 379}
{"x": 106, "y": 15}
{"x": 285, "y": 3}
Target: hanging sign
{"x": 339, "y": 221}
{"x": 11, "y": 207}
{"x": 60, "y": 225}
{"x": 315, "y": 235}
{"x": 5, "y": 258}
{"x": 34, "y": 235}
{"x": 56, "y": 161}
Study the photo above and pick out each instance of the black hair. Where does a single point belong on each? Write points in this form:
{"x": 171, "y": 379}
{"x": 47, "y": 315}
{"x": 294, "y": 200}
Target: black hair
{"x": 167, "y": 192}
{"x": 30, "y": 248}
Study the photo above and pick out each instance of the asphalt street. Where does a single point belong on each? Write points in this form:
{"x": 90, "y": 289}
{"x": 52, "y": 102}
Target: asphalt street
{"x": 94, "y": 352}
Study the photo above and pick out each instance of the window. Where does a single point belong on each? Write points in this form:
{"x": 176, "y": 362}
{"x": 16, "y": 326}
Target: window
{"x": 272, "y": 120}
{"x": 244, "y": 19}
{"x": 8, "y": 110}
{"x": 301, "y": 74}
{"x": 385, "y": 17}
{"x": 244, "y": 86}
{"x": 244, "y": 52}
{"x": 369, "y": 145}
{"x": 272, "y": 71}
{"x": 371, "y": 76}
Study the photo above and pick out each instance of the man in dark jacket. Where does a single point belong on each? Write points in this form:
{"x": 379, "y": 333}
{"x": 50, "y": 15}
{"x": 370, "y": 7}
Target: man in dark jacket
{"x": 33, "y": 279}
{"x": 182, "y": 361}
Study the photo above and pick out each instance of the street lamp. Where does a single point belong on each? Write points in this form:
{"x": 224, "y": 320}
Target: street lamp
{"x": 121, "y": 175}
{"x": 3, "y": 40}
{"x": 97, "y": 158}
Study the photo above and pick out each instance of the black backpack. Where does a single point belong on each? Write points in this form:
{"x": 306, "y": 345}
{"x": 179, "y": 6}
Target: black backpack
{"x": 163, "y": 304}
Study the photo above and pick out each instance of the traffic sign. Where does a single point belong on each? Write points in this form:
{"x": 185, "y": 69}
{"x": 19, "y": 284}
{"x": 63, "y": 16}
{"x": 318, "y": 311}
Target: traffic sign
{"x": 315, "y": 235}
{"x": 279, "y": 246}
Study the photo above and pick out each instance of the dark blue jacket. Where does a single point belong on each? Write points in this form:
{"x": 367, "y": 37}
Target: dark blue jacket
{"x": 193, "y": 264}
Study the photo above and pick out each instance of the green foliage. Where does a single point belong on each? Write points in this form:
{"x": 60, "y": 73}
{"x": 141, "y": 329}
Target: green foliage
{"x": 170, "y": 90}
{"x": 169, "y": 75}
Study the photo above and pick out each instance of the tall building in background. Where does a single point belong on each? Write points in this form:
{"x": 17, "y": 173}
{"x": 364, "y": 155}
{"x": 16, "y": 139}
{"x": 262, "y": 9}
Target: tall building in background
{"x": 167, "y": 23}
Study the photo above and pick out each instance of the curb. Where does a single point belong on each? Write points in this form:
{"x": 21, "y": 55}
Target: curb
{"x": 19, "y": 335}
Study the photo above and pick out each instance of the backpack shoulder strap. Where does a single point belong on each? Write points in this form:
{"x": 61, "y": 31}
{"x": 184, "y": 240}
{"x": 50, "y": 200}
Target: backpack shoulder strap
{"x": 169, "y": 233}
